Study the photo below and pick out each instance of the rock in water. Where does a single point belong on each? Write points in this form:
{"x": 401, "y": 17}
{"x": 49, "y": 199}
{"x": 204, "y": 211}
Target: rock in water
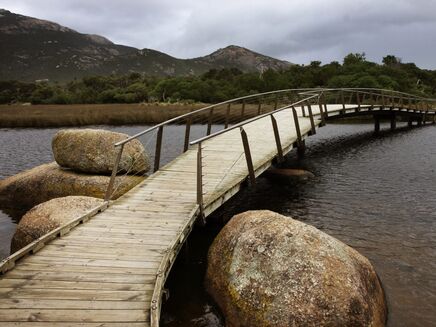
{"x": 92, "y": 151}
{"x": 287, "y": 174}
{"x": 265, "y": 269}
{"x": 49, "y": 181}
{"x": 50, "y": 215}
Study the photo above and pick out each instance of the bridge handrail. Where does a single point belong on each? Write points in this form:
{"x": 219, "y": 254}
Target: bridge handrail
{"x": 175, "y": 119}
{"x": 301, "y": 90}
{"x": 250, "y": 120}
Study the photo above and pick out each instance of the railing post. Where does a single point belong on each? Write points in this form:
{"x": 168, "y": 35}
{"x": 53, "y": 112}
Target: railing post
{"x": 303, "y": 111}
{"x": 321, "y": 110}
{"x": 209, "y": 122}
{"x": 243, "y": 109}
{"x": 342, "y": 99}
{"x": 297, "y": 125}
{"x": 200, "y": 178}
{"x": 248, "y": 159}
{"x": 259, "y": 107}
{"x": 276, "y": 101}
{"x": 226, "y": 124}
{"x": 324, "y": 102}
{"x": 187, "y": 133}
{"x": 312, "y": 122}
{"x": 110, "y": 187}
{"x": 158, "y": 148}
{"x": 358, "y": 101}
{"x": 277, "y": 138}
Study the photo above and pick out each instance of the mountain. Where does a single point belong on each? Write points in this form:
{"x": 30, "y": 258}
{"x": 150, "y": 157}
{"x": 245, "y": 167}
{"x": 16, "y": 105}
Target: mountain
{"x": 35, "y": 49}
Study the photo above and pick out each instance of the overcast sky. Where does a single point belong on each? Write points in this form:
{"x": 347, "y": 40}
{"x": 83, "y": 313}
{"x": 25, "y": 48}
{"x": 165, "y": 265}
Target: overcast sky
{"x": 295, "y": 30}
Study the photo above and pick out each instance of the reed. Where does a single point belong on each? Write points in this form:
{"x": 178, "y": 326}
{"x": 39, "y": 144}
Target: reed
{"x": 91, "y": 114}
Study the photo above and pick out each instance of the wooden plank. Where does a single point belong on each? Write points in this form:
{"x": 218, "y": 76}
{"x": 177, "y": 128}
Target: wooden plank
{"x": 73, "y": 315}
{"x": 84, "y": 295}
{"x": 71, "y": 285}
{"x": 73, "y": 304}
{"x": 62, "y": 275}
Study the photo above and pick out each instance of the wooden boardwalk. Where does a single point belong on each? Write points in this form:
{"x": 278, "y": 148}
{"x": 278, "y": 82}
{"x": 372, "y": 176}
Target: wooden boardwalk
{"x": 110, "y": 270}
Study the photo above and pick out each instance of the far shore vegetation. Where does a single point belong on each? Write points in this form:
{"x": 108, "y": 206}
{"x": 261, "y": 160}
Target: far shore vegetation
{"x": 139, "y": 99}
{"x": 220, "y": 85}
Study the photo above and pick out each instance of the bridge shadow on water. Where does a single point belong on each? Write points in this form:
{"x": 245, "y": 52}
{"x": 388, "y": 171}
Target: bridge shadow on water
{"x": 349, "y": 162}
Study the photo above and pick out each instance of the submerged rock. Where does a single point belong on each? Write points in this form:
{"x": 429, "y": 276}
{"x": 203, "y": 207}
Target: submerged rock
{"x": 50, "y": 215}
{"x": 92, "y": 151}
{"x": 265, "y": 269}
{"x": 49, "y": 181}
{"x": 287, "y": 174}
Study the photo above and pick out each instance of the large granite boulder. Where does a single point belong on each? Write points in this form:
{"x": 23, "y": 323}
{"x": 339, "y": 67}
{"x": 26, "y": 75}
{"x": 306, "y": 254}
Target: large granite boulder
{"x": 49, "y": 215}
{"x": 265, "y": 269}
{"x": 92, "y": 151}
{"x": 49, "y": 181}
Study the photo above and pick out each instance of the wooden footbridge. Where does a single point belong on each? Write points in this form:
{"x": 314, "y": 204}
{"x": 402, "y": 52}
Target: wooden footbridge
{"x": 108, "y": 268}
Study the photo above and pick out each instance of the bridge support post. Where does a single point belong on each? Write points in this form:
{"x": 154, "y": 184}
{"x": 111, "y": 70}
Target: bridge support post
{"x": 376, "y": 124}
{"x": 434, "y": 118}
{"x": 393, "y": 121}
{"x": 247, "y": 152}
{"x": 419, "y": 121}
{"x": 410, "y": 122}
{"x": 301, "y": 149}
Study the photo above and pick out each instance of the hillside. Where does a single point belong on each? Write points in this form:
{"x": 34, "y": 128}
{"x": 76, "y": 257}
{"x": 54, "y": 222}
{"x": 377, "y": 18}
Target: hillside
{"x": 34, "y": 49}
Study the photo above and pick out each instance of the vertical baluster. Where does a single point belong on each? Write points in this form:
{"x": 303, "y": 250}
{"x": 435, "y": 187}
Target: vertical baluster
{"x": 342, "y": 99}
{"x": 110, "y": 187}
{"x": 297, "y": 126}
{"x": 158, "y": 148}
{"x": 243, "y": 109}
{"x": 277, "y": 138}
{"x": 259, "y": 107}
{"x": 187, "y": 133}
{"x": 209, "y": 122}
{"x": 248, "y": 158}
{"x": 226, "y": 124}
{"x": 312, "y": 122}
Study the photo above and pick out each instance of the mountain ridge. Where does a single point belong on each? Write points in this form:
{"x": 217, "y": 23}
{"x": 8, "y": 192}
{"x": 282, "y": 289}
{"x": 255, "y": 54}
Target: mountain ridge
{"x": 34, "y": 49}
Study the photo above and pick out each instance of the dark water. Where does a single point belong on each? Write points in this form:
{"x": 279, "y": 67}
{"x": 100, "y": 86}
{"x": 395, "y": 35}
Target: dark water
{"x": 377, "y": 194}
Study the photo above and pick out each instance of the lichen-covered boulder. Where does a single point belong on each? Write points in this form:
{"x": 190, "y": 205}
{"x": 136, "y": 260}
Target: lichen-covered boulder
{"x": 265, "y": 269}
{"x": 49, "y": 215}
{"x": 92, "y": 151}
{"x": 49, "y": 181}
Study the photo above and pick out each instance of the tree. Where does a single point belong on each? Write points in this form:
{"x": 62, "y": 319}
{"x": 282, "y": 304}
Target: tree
{"x": 354, "y": 58}
{"x": 391, "y": 60}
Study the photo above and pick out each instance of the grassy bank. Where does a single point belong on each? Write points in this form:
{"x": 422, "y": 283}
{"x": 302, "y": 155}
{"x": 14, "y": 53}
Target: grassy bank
{"x": 93, "y": 114}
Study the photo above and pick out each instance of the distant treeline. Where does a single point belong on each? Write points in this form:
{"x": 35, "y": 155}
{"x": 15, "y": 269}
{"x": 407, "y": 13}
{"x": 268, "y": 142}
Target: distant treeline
{"x": 220, "y": 85}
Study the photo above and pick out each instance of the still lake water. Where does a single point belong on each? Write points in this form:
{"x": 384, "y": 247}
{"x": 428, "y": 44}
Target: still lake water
{"x": 377, "y": 194}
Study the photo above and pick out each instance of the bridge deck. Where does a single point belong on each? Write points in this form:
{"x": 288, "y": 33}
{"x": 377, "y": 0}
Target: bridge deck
{"x": 104, "y": 272}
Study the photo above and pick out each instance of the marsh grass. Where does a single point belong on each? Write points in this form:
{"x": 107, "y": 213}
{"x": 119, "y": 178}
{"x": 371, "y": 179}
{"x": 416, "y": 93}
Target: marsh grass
{"x": 92, "y": 114}
{"x": 116, "y": 114}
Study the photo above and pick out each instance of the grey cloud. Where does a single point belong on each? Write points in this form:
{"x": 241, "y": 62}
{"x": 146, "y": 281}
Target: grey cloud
{"x": 297, "y": 31}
